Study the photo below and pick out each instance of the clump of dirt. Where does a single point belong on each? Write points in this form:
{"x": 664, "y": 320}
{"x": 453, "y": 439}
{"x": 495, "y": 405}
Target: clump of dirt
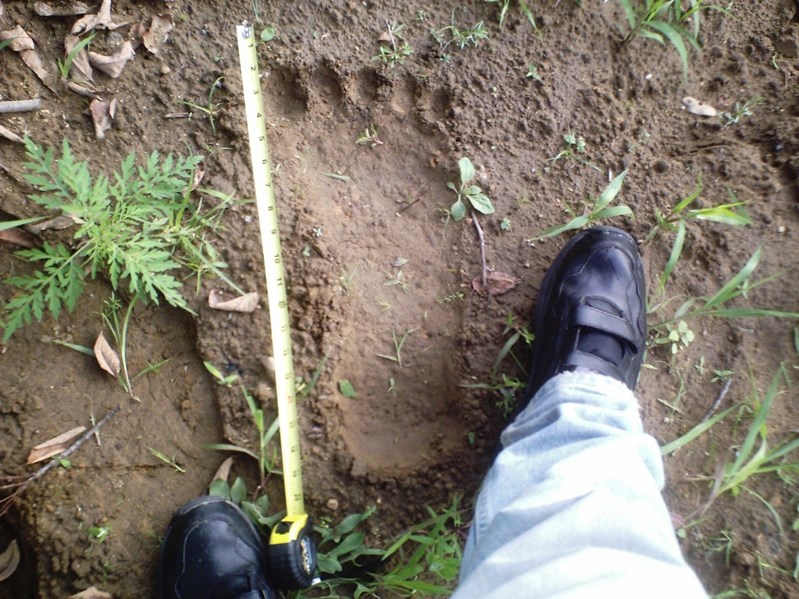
{"x": 373, "y": 260}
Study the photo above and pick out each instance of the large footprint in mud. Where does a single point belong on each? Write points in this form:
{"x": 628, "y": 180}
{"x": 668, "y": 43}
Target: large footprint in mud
{"x": 375, "y": 211}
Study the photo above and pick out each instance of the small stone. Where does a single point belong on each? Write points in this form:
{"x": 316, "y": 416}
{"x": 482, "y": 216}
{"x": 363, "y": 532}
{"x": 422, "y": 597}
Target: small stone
{"x": 165, "y": 70}
{"x": 781, "y": 229}
{"x": 332, "y": 504}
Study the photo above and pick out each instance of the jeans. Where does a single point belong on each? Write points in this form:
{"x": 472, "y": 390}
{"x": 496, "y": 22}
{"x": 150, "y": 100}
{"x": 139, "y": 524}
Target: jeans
{"x": 572, "y": 505}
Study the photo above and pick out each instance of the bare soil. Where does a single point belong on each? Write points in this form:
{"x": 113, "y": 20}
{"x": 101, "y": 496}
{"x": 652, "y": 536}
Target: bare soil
{"x": 415, "y": 435}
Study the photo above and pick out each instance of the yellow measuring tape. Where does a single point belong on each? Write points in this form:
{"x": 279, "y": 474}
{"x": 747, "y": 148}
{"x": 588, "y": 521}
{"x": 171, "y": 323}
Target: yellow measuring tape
{"x": 291, "y": 550}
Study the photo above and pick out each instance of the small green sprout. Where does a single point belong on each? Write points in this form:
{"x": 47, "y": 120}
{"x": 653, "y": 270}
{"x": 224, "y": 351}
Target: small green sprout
{"x": 468, "y": 194}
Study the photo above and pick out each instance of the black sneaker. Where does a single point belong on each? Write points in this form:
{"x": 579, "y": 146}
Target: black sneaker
{"x": 591, "y": 310}
{"x": 212, "y": 550}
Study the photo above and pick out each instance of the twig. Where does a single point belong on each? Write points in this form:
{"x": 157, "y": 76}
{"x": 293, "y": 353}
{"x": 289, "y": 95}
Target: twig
{"x": 20, "y": 105}
{"x": 481, "y": 237}
{"x": 406, "y": 206}
{"x": 17, "y": 484}
{"x": 719, "y": 398}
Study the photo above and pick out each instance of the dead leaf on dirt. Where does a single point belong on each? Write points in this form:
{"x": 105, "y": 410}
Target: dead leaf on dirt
{"x": 245, "y": 303}
{"x": 23, "y": 43}
{"x": 694, "y": 106}
{"x": 20, "y": 40}
{"x": 199, "y": 174}
{"x": 80, "y": 68}
{"x": 98, "y": 21}
{"x": 83, "y": 89}
{"x": 43, "y": 9}
{"x": 113, "y": 64}
{"x": 102, "y": 115}
{"x": 498, "y": 283}
{"x": 106, "y": 357}
{"x": 62, "y": 221}
{"x": 9, "y": 559}
{"x": 10, "y": 135}
{"x": 54, "y": 446}
{"x": 91, "y": 593}
{"x": 223, "y": 471}
{"x": 19, "y": 237}
{"x": 157, "y": 34}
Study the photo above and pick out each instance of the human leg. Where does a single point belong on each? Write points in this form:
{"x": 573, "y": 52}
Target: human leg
{"x": 572, "y": 505}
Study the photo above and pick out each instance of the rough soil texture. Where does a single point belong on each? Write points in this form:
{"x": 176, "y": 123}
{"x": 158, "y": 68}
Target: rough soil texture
{"x": 415, "y": 435}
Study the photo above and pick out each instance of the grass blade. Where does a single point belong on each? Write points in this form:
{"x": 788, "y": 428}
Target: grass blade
{"x": 610, "y": 192}
{"x": 676, "y": 251}
{"x": 675, "y": 36}
{"x": 728, "y": 291}
{"x": 700, "y": 428}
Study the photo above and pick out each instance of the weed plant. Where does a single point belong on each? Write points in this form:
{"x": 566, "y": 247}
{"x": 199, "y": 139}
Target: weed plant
{"x": 64, "y": 66}
{"x": 423, "y": 561}
{"x": 600, "y": 209}
{"x": 452, "y": 34}
{"x": 731, "y": 213}
{"x": 666, "y": 20}
{"x": 469, "y": 194}
{"x": 505, "y": 6}
{"x": 210, "y": 109}
{"x": 396, "y": 49}
{"x": 136, "y": 229}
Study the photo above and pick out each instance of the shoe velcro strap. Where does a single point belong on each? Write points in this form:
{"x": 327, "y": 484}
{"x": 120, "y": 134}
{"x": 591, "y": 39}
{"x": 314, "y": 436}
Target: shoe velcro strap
{"x": 578, "y": 359}
{"x": 588, "y": 316}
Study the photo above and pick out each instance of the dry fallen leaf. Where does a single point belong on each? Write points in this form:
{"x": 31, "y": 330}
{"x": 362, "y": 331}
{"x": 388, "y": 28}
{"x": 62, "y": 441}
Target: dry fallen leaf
{"x": 18, "y": 236}
{"x": 113, "y": 64}
{"x": 157, "y": 34}
{"x": 102, "y": 115}
{"x": 62, "y": 221}
{"x": 20, "y": 40}
{"x": 9, "y": 558}
{"x": 101, "y": 20}
{"x": 245, "y": 303}
{"x": 694, "y": 106}
{"x": 223, "y": 471}
{"x": 83, "y": 89}
{"x": 106, "y": 357}
{"x": 43, "y": 9}
{"x": 10, "y": 135}
{"x": 53, "y": 446}
{"x": 498, "y": 283}
{"x": 80, "y": 68}
{"x": 91, "y": 593}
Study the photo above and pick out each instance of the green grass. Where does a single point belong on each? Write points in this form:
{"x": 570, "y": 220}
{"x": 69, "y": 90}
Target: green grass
{"x": 210, "y": 109}
{"x": 64, "y": 66}
{"x": 598, "y": 210}
{"x": 452, "y": 34}
{"x": 505, "y": 6}
{"x": 396, "y": 49}
{"x": 666, "y": 21}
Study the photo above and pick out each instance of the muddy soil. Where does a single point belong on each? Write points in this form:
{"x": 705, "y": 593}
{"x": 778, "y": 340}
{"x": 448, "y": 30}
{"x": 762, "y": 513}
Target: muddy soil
{"x": 372, "y": 259}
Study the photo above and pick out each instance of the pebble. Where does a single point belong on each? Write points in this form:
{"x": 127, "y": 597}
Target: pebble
{"x": 781, "y": 229}
{"x": 332, "y": 504}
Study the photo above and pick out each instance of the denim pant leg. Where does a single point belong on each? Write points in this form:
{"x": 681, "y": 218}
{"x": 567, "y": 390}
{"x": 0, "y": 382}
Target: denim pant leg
{"x": 572, "y": 505}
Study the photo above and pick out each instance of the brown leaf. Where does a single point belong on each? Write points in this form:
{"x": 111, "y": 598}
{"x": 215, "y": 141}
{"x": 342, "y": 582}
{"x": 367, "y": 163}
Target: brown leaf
{"x": 80, "y": 68}
{"x": 102, "y": 115}
{"x": 101, "y": 20}
{"x": 53, "y": 446}
{"x": 498, "y": 283}
{"x": 106, "y": 357}
{"x": 19, "y": 237}
{"x": 157, "y": 34}
{"x": 83, "y": 89}
{"x": 10, "y": 135}
{"x": 245, "y": 303}
{"x": 113, "y": 64}
{"x": 91, "y": 593}
{"x": 63, "y": 221}
{"x": 223, "y": 471}
{"x": 20, "y": 40}
{"x": 43, "y": 9}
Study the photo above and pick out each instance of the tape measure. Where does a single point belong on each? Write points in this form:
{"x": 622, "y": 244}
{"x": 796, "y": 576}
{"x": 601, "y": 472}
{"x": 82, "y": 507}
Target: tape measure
{"x": 292, "y": 550}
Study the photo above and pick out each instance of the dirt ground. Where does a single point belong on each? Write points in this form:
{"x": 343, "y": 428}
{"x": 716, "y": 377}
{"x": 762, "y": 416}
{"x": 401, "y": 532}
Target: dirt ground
{"x": 415, "y": 435}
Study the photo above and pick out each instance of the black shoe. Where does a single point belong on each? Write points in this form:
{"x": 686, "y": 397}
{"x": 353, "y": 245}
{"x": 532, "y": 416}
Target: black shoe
{"x": 211, "y": 550}
{"x": 591, "y": 310}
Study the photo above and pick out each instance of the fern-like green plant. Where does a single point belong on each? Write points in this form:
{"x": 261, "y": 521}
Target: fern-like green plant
{"x": 136, "y": 229}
